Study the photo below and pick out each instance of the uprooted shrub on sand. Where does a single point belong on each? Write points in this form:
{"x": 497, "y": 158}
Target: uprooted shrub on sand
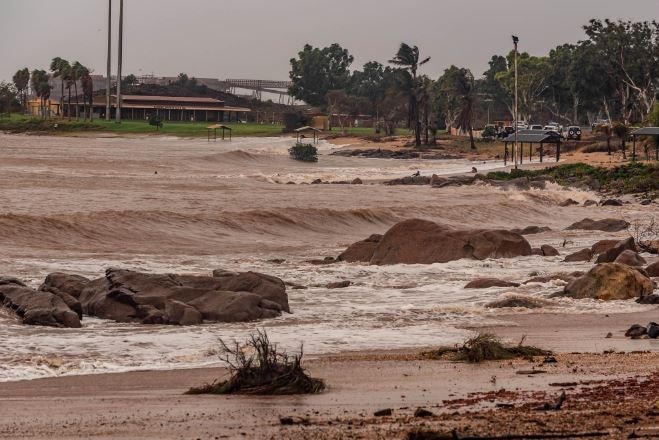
{"x": 485, "y": 347}
{"x": 258, "y": 368}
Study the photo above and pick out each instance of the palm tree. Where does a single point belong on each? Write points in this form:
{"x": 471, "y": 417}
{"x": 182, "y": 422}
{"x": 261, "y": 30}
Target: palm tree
{"x": 21, "y": 81}
{"x": 77, "y": 72}
{"x": 88, "y": 93}
{"x": 408, "y": 59}
{"x": 41, "y": 87}
{"x": 60, "y": 69}
{"x": 466, "y": 92}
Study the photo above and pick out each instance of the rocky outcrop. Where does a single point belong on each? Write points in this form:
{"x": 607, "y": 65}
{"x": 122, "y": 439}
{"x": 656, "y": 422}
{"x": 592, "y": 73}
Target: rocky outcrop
{"x": 610, "y": 281}
{"x": 361, "y": 251}
{"x": 611, "y": 202}
{"x": 409, "y": 180}
{"x": 485, "y": 283}
{"x": 567, "y": 277}
{"x": 521, "y": 301}
{"x": 610, "y": 255}
{"x": 441, "y": 182}
{"x": 582, "y": 255}
{"x": 36, "y": 307}
{"x": 630, "y": 258}
{"x": 128, "y": 296}
{"x": 423, "y": 242}
{"x": 606, "y": 225}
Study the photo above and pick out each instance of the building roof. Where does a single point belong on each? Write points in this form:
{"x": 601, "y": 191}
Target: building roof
{"x": 307, "y": 128}
{"x": 534, "y": 136}
{"x": 217, "y": 126}
{"x": 646, "y": 131}
{"x": 152, "y": 98}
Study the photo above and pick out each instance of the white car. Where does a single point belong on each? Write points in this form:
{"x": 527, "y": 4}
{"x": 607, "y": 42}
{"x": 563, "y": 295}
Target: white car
{"x": 551, "y": 128}
{"x": 536, "y": 127}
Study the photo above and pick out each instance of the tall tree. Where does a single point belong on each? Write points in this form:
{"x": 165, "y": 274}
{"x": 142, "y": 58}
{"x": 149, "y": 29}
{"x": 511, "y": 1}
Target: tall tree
{"x": 77, "y": 72}
{"x": 41, "y": 88}
{"x": 532, "y": 74}
{"x": 60, "y": 68}
{"x": 317, "y": 71}
{"x": 372, "y": 82}
{"x": 88, "y": 94}
{"x": 8, "y": 94}
{"x": 22, "y": 80}
{"x": 409, "y": 60}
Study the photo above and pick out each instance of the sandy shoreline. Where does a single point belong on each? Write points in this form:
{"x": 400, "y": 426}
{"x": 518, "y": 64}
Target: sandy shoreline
{"x": 150, "y": 404}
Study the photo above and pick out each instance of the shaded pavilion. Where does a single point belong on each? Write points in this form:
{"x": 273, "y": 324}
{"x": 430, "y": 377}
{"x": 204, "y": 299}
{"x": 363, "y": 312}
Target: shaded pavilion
{"x": 531, "y": 138}
{"x": 213, "y": 128}
{"x": 307, "y": 129}
{"x": 645, "y": 131}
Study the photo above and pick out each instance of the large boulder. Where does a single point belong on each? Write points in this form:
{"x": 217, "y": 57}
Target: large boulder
{"x": 607, "y": 225}
{"x": 37, "y": 307}
{"x": 128, "y": 296}
{"x": 602, "y": 246}
{"x": 424, "y": 242}
{"x": 361, "y": 251}
{"x": 610, "y": 281}
{"x": 610, "y": 255}
{"x": 630, "y": 258}
{"x": 64, "y": 282}
{"x": 549, "y": 251}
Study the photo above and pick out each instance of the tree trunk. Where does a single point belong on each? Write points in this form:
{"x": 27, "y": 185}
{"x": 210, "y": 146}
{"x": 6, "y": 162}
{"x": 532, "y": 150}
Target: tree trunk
{"x": 68, "y": 104}
{"x": 75, "y": 85}
{"x": 61, "y": 98}
{"x": 608, "y": 144}
{"x": 471, "y": 138}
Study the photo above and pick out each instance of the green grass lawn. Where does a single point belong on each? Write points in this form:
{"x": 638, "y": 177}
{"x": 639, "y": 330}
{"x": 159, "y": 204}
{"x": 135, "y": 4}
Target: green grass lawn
{"x": 21, "y": 124}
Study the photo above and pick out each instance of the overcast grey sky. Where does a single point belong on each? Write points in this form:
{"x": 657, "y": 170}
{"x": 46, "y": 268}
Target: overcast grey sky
{"x": 256, "y": 38}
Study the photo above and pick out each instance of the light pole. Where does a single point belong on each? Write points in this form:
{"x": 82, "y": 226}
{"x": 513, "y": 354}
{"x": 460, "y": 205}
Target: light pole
{"x": 120, "y": 49}
{"x": 515, "y": 41}
{"x": 108, "y": 83}
{"x": 489, "y": 101}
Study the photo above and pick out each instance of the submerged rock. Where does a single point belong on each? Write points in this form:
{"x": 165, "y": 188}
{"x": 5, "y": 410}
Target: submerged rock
{"x": 521, "y": 301}
{"x": 549, "y": 251}
{"x": 418, "y": 241}
{"x": 611, "y": 202}
{"x": 530, "y": 230}
{"x": 607, "y": 225}
{"x": 653, "y": 269}
{"x": 636, "y": 331}
{"x": 603, "y": 246}
{"x": 610, "y": 281}
{"x": 37, "y": 307}
{"x": 485, "y": 283}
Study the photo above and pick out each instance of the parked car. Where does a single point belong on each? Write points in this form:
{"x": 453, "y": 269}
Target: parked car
{"x": 536, "y": 127}
{"x": 599, "y": 123}
{"x": 505, "y": 131}
{"x": 573, "y": 132}
{"x": 551, "y": 128}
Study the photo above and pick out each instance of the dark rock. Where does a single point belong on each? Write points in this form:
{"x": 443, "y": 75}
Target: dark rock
{"x": 11, "y": 280}
{"x": 521, "y": 301}
{"x": 653, "y": 330}
{"x": 69, "y": 300}
{"x": 324, "y": 261}
{"x": 649, "y": 299}
{"x": 607, "y": 225}
{"x": 422, "y": 412}
{"x": 610, "y": 281}
{"x": 646, "y": 202}
{"x": 653, "y": 269}
{"x": 537, "y": 251}
{"x": 37, "y": 307}
{"x": 423, "y": 242}
{"x": 410, "y": 180}
{"x": 128, "y": 296}
{"x": 549, "y": 251}
{"x": 68, "y": 283}
{"x": 361, "y": 251}
{"x": 610, "y": 255}
{"x": 603, "y": 246}
{"x": 611, "y": 202}
{"x": 383, "y": 412}
{"x": 569, "y": 202}
{"x": 441, "y": 182}
{"x": 590, "y": 203}
{"x": 338, "y": 284}
{"x": 357, "y": 181}
{"x": 277, "y": 261}
{"x": 582, "y": 255}
{"x": 485, "y": 283}
{"x": 636, "y": 331}
{"x": 557, "y": 276}
{"x": 630, "y": 258}
{"x": 530, "y": 230}
{"x": 316, "y": 181}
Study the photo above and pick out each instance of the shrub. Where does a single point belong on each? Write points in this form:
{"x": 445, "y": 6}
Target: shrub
{"x": 155, "y": 121}
{"x": 486, "y": 347}
{"x": 265, "y": 371}
{"x": 293, "y": 120}
{"x": 489, "y": 132}
{"x": 304, "y": 152}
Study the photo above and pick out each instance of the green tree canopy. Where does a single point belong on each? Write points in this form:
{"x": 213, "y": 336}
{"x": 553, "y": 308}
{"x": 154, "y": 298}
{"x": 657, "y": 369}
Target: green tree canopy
{"x": 317, "y": 71}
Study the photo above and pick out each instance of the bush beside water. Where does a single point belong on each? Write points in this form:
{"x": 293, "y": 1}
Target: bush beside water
{"x": 304, "y": 152}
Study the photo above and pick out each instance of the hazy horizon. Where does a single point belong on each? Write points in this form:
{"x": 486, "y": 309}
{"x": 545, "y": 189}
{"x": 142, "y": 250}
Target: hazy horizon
{"x": 256, "y": 38}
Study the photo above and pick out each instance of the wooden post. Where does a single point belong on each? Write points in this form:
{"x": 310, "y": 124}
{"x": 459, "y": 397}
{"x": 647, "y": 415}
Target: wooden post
{"x": 530, "y": 152}
{"x": 505, "y": 153}
{"x": 558, "y": 150}
{"x": 521, "y": 153}
{"x": 633, "y": 147}
{"x": 541, "y": 151}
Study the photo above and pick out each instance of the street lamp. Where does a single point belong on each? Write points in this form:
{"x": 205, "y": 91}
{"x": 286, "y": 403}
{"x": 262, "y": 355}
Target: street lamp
{"x": 515, "y": 41}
